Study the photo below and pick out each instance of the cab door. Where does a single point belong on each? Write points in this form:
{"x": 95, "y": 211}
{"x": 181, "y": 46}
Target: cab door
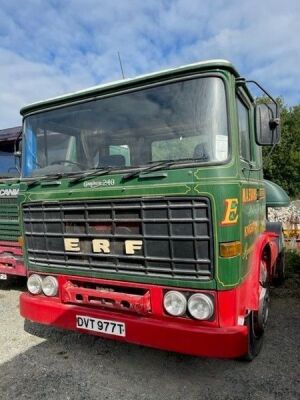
{"x": 251, "y": 204}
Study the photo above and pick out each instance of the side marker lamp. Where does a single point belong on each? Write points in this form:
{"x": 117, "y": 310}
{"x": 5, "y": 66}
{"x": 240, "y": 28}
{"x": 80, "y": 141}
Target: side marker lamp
{"x": 21, "y": 241}
{"x": 230, "y": 249}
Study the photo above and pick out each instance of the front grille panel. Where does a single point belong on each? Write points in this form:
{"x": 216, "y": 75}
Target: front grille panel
{"x": 176, "y": 236}
{"x": 9, "y": 219}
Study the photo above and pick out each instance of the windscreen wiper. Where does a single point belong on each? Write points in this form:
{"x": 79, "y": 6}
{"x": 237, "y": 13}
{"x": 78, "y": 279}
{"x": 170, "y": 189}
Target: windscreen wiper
{"x": 153, "y": 167}
{"x": 50, "y": 176}
{"x": 95, "y": 172}
{"x": 6, "y": 176}
{"x": 43, "y": 178}
{"x": 156, "y": 167}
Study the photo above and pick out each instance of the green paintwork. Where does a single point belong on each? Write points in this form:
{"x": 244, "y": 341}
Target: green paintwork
{"x": 216, "y": 182}
{"x": 9, "y": 212}
{"x": 112, "y": 87}
{"x": 275, "y": 195}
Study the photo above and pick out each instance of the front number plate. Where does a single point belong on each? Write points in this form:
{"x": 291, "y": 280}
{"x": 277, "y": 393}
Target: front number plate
{"x": 100, "y": 325}
{"x": 3, "y": 277}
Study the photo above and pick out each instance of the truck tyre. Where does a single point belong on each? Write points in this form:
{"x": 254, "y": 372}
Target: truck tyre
{"x": 255, "y": 337}
{"x": 257, "y": 319}
{"x": 279, "y": 269}
{"x": 13, "y": 281}
{"x": 5, "y": 284}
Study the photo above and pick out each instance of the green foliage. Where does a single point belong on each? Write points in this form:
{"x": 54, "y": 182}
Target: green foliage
{"x": 292, "y": 262}
{"x": 283, "y": 166}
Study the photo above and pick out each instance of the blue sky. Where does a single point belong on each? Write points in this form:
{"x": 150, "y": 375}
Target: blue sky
{"x": 51, "y": 47}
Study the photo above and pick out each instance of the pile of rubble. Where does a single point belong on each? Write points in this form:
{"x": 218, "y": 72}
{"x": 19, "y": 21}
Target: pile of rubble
{"x": 289, "y": 216}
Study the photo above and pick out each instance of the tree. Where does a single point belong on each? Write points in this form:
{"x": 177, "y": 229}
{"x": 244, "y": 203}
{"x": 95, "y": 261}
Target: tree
{"x": 283, "y": 166}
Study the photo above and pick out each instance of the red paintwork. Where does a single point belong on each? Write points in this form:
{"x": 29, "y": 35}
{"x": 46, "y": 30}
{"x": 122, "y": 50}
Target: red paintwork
{"x": 246, "y": 295}
{"x": 249, "y": 289}
{"x": 11, "y": 259}
{"x": 146, "y": 322}
{"x": 106, "y": 298}
{"x": 176, "y": 336}
{"x": 152, "y": 298}
{"x": 154, "y": 329}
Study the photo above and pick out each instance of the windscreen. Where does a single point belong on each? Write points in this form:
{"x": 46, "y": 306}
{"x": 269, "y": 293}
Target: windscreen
{"x": 181, "y": 120}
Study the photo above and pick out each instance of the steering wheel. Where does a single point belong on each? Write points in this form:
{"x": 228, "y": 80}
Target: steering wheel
{"x": 13, "y": 169}
{"x": 67, "y": 161}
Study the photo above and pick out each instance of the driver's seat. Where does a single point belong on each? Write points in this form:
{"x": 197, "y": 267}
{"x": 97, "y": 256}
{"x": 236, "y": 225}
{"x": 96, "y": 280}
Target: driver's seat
{"x": 114, "y": 160}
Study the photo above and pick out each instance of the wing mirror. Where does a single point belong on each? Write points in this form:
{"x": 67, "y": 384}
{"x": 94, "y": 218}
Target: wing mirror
{"x": 267, "y": 124}
{"x": 267, "y": 120}
{"x": 18, "y": 148}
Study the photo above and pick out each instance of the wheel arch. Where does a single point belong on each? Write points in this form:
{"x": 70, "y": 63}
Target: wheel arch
{"x": 265, "y": 247}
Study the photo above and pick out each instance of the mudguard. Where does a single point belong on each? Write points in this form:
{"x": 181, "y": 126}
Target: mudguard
{"x": 276, "y": 227}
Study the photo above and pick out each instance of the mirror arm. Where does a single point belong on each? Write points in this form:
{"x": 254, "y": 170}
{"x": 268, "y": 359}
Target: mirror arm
{"x": 17, "y": 153}
{"x": 268, "y": 156}
{"x": 16, "y": 142}
{"x": 243, "y": 81}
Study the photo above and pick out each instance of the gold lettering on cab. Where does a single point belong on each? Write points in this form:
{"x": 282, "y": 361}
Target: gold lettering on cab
{"x": 251, "y": 228}
{"x": 103, "y": 245}
{"x": 72, "y": 244}
{"x": 132, "y": 245}
{"x": 249, "y": 195}
{"x": 231, "y": 212}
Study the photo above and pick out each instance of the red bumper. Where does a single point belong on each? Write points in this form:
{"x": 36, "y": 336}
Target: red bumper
{"x": 195, "y": 340}
{"x": 11, "y": 260}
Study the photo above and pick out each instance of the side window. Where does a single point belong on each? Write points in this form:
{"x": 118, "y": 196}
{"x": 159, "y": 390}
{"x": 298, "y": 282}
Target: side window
{"x": 244, "y": 132}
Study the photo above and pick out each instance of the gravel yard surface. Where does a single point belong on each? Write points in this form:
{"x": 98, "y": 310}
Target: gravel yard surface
{"x": 42, "y": 362}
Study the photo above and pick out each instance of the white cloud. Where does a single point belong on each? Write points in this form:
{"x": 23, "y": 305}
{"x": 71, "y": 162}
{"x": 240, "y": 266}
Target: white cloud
{"x": 24, "y": 81}
{"x": 51, "y": 47}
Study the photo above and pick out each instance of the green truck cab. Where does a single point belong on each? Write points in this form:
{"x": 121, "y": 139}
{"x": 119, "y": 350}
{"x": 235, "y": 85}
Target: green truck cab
{"x": 11, "y": 260}
{"x": 144, "y": 214}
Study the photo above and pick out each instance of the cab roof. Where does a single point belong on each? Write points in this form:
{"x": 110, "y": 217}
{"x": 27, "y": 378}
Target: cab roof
{"x": 10, "y": 134}
{"x": 130, "y": 82}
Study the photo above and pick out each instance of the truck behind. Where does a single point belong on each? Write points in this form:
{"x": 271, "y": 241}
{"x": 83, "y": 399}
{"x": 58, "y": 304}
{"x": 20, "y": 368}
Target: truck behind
{"x": 11, "y": 260}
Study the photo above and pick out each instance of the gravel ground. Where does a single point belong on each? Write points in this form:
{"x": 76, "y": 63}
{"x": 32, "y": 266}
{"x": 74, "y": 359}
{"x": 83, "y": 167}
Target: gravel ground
{"x": 42, "y": 362}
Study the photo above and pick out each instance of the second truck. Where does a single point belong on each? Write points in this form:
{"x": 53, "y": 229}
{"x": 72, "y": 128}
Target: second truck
{"x": 11, "y": 260}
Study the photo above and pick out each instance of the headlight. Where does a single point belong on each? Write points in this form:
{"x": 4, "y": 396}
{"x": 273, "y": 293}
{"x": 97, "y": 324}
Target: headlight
{"x": 50, "y": 286}
{"x": 175, "y": 303}
{"x": 200, "y": 306}
{"x": 34, "y": 284}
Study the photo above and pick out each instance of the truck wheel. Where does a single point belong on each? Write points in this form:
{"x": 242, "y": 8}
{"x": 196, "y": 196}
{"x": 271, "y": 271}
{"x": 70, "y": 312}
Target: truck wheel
{"x": 256, "y": 320}
{"x": 279, "y": 269}
{"x": 13, "y": 281}
{"x": 255, "y": 337}
{"x": 5, "y": 284}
